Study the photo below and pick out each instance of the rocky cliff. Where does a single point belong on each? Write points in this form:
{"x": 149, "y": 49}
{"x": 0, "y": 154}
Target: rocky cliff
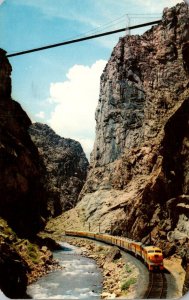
{"x": 138, "y": 183}
{"x": 65, "y": 167}
{"x": 26, "y": 194}
{"x": 22, "y": 195}
{"x": 23, "y": 198}
{"x": 140, "y": 156}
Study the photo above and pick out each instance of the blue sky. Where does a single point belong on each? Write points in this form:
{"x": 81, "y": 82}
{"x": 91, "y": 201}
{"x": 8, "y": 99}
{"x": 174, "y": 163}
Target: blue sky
{"x": 60, "y": 86}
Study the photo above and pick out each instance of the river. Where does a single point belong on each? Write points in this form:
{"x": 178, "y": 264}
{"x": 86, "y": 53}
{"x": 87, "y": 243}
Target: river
{"x": 80, "y": 279}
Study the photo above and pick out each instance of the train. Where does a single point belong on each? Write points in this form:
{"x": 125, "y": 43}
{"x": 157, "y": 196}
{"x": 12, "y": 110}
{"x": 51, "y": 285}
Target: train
{"x": 152, "y": 256}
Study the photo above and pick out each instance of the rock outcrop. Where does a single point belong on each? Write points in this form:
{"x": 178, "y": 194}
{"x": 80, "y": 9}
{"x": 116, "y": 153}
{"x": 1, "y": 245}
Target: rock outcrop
{"x": 23, "y": 261}
{"x": 13, "y": 279}
{"x": 65, "y": 167}
{"x": 13, "y": 269}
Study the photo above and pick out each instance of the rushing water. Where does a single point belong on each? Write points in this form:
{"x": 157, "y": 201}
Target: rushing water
{"x": 80, "y": 278}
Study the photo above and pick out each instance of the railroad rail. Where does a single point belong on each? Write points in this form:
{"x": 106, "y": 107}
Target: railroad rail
{"x": 157, "y": 288}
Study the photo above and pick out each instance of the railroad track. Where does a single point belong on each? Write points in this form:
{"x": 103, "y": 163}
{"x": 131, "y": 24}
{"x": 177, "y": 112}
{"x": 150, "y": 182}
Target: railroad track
{"x": 157, "y": 288}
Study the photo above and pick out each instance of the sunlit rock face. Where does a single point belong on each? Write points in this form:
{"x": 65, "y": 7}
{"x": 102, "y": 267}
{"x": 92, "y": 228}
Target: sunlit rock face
{"x": 64, "y": 165}
{"x": 140, "y": 158}
{"x": 138, "y": 181}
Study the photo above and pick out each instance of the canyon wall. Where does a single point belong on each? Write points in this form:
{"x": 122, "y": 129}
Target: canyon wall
{"x": 30, "y": 190}
{"x": 39, "y": 178}
{"x": 138, "y": 181}
{"x": 23, "y": 197}
{"x": 65, "y": 167}
{"x": 22, "y": 194}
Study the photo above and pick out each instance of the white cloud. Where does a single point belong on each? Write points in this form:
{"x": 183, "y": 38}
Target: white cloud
{"x": 154, "y": 6}
{"x": 40, "y": 115}
{"x": 75, "y": 102}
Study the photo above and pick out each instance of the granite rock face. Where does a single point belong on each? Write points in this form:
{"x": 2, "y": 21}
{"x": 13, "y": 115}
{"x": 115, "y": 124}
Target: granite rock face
{"x": 140, "y": 156}
{"x": 65, "y": 167}
{"x": 138, "y": 181}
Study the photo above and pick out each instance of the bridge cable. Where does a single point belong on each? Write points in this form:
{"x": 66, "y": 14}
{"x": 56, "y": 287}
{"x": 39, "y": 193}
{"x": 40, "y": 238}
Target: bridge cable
{"x": 83, "y": 39}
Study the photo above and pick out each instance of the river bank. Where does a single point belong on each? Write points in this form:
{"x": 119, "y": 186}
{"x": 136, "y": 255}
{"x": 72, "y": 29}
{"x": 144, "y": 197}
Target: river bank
{"x": 119, "y": 276}
{"x": 80, "y": 278}
{"x": 43, "y": 261}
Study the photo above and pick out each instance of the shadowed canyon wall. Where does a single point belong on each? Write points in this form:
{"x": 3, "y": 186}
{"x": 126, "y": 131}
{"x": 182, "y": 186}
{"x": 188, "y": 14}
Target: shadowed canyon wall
{"x": 22, "y": 195}
{"x": 22, "y": 201}
{"x": 34, "y": 184}
{"x": 28, "y": 194}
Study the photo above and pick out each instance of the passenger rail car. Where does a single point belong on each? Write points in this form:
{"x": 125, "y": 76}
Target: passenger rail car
{"x": 151, "y": 255}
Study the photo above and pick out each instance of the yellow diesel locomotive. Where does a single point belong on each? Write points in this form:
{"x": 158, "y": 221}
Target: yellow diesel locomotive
{"x": 151, "y": 255}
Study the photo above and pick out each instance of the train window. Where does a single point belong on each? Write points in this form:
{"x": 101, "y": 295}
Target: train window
{"x": 151, "y": 251}
{"x": 158, "y": 251}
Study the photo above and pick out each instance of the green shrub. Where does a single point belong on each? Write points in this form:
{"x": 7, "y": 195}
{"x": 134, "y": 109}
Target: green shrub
{"x": 128, "y": 283}
{"x": 128, "y": 269}
{"x": 33, "y": 252}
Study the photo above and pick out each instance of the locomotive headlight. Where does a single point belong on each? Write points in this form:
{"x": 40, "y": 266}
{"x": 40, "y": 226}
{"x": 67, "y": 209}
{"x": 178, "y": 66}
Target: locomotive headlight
{"x": 151, "y": 258}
